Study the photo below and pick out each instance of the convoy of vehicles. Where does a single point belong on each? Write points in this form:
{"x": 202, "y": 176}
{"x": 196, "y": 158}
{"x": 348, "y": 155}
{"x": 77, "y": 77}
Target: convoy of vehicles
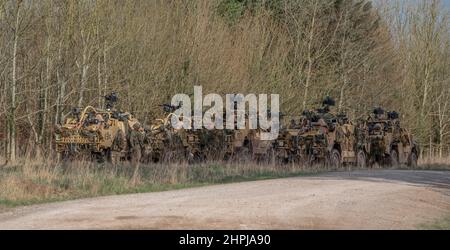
{"x": 315, "y": 137}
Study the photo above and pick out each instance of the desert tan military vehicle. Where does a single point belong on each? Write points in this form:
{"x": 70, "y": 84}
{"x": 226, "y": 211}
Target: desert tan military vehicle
{"x": 191, "y": 140}
{"x": 101, "y": 134}
{"x": 165, "y": 142}
{"x": 313, "y": 140}
{"x": 237, "y": 143}
{"x": 262, "y": 151}
{"x": 202, "y": 144}
{"x": 287, "y": 146}
{"x": 105, "y": 134}
{"x": 385, "y": 142}
{"x": 194, "y": 143}
{"x": 329, "y": 139}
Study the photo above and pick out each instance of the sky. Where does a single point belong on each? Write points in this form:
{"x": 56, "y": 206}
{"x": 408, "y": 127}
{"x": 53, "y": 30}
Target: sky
{"x": 446, "y": 3}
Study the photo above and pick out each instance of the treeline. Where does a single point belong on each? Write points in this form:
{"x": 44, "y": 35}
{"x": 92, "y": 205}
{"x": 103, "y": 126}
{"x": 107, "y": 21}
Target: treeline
{"x": 55, "y": 55}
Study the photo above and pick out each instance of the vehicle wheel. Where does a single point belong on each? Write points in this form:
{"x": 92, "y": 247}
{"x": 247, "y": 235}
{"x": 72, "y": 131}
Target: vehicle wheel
{"x": 335, "y": 159}
{"x": 393, "y": 158}
{"x": 412, "y": 161}
{"x": 361, "y": 159}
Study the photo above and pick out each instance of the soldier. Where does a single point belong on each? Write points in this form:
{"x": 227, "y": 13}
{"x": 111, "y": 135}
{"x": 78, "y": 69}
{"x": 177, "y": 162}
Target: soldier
{"x": 361, "y": 132}
{"x": 379, "y": 113}
{"x": 90, "y": 125}
{"x": 118, "y": 147}
{"x": 147, "y": 152}
{"x": 100, "y": 122}
{"x": 136, "y": 143}
{"x": 111, "y": 100}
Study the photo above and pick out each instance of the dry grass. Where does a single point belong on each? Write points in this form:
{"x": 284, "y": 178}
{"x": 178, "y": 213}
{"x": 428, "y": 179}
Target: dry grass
{"x": 434, "y": 163}
{"x": 36, "y": 182}
{"x": 435, "y": 160}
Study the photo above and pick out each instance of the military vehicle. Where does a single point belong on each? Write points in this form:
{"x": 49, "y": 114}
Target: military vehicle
{"x": 164, "y": 141}
{"x": 385, "y": 142}
{"x": 196, "y": 144}
{"x": 237, "y": 143}
{"x": 287, "y": 146}
{"x": 203, "y": 144}
{"x": 193, "y": 145}
{"x": 318, "y": 136}
{"x": 103, "y": 134}
{"x": 261, "y": 151}
{"x": 327, "y": 138}
{"x": 313, "y": 140}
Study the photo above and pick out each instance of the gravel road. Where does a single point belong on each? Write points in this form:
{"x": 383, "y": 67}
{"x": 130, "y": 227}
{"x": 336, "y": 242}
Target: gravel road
{"x": 377, "y": 199}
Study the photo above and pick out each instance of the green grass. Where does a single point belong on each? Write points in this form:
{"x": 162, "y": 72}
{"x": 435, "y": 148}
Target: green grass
{"x": 440, "y": 224}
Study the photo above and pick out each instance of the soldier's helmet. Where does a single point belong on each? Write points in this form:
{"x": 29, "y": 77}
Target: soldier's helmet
{"x": 379, "y": 113}
{"x": 111, "y": 100}
{"x": 393, "y": 115}
{"x": 326, "y": 104}
{"x": 76, "y": 111}
{"x": 328, "y": 101}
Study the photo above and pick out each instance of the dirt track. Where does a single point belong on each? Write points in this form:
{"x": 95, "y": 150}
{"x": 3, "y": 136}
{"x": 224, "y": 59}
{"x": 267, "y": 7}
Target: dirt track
{"x": 382, "y": 199}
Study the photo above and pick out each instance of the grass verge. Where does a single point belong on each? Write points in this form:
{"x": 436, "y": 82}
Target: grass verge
{"x": 32, "y": 183}
{"x": 29, "y": 184}
{"x": 440, "y": 224}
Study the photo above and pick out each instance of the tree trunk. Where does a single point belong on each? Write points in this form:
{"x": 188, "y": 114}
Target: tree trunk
{"x": 84, "y": 67}
{"x": 342, "y": 92}
{"x": 99, "y": 69}
{"x": 105, "y": 73}
{"x": 84, "y": 71}
{"x": 44, "y": 103}
{"x": 12, "y": 132}
{"x": 310, "y": 60}
{"x": 62, "y": 88}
